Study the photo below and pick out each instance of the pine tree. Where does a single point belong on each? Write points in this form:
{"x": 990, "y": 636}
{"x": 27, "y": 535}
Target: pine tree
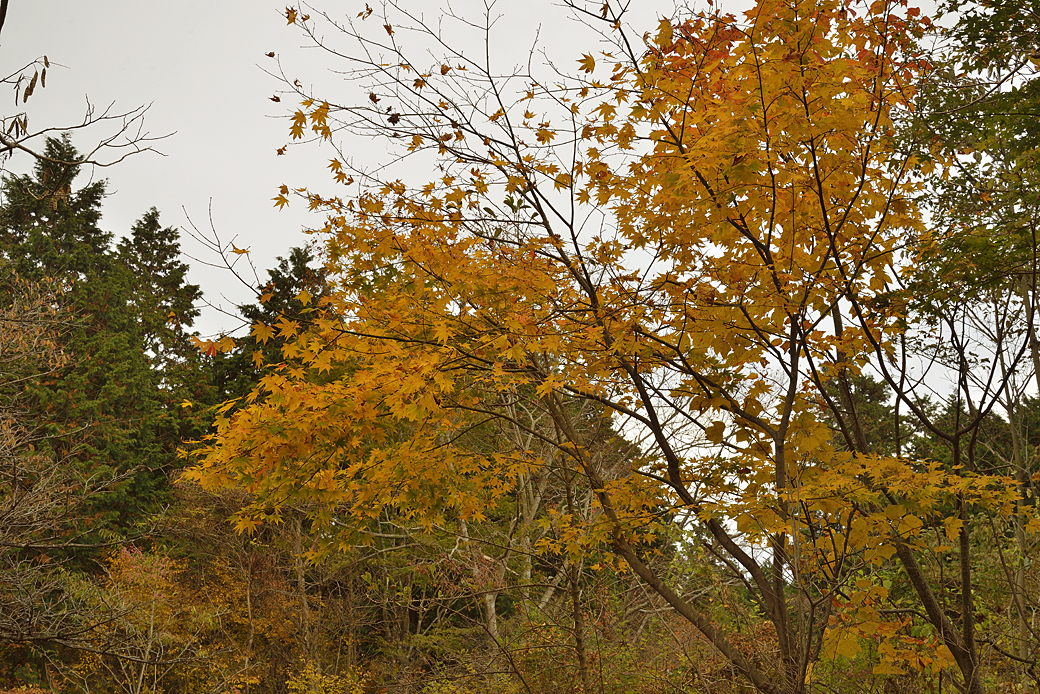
{"x": 164, "y": 300}
{"x": 235, "y": 374}
{"x": 103, "y": 403}
{"x": 49, "y": 230}
{"x": 165, "y": 305}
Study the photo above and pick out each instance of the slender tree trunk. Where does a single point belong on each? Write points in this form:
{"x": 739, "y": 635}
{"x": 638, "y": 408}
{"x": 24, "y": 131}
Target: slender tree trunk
{"x": 575, "y": 593}
{"x": 249, "y": 616}
{"x": 491, "y": 610}
{"x": 1029, "y": 298}
{"x": 579, "y": 630}
{"x": 972, "y": 676}
{"x": 306, "y": 630}
{"x": 1019, "y": 459}
{"x": 479, "y": 580}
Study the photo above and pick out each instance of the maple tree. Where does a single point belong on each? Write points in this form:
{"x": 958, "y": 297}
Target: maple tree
{"x": 706, "y": 240}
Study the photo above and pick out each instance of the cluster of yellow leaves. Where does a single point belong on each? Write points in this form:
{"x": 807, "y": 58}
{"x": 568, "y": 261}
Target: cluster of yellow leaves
{"x": 857, "y": 623}
{"x": 360, "y": 441}
{"x": 176, "y": 628}
{"x": 311, "y": 680}
{"x": 223, "y": 344}
{"x": 314, "y": 113}
{"x": 771, "y": 191}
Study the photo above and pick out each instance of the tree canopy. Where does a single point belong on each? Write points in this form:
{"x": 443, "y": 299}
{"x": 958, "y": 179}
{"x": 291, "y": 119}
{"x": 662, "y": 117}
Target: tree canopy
{"x": 707, "y": 240}
{"x": 702, "y": 358}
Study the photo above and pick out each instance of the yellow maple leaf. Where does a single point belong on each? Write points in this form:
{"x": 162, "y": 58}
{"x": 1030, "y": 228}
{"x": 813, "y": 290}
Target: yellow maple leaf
{"x": 262, "y": 332}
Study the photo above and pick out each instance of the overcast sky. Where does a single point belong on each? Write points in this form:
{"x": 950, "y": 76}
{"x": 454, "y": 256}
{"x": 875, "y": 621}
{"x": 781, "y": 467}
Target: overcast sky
{"x": 200, "y": 65}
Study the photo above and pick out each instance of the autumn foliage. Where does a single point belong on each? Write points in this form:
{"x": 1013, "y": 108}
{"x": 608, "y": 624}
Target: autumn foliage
{"x": 698, "y": 354}
{"x": 702, "y": 242}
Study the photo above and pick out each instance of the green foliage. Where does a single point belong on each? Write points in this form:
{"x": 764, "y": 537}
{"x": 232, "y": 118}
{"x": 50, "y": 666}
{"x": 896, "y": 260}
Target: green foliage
{"x": 101, "y": 404}
{"x": 237, "y": 372}
{"x": 109, "y": 409}
{"x": 165, "y": 303}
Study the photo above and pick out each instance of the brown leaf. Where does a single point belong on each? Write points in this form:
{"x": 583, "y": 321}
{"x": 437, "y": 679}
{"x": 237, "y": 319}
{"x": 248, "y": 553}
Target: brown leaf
{"x": 31, "y": 88}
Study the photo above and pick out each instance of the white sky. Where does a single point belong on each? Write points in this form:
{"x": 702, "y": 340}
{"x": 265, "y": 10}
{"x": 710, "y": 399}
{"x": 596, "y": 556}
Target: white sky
{"x": 199, "y": 63}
